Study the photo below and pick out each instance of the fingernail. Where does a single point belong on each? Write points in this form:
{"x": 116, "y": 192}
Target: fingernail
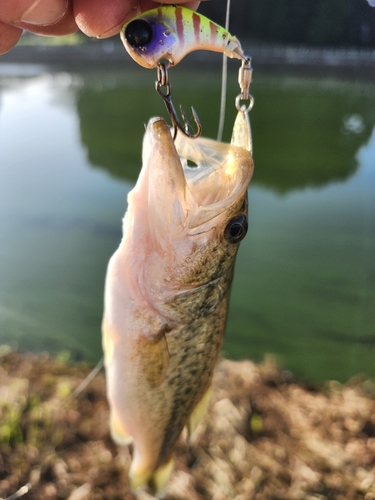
{"x": 113, "y": 31}
{"x": 42, "y": 13}
{"x": 110, "y": 32}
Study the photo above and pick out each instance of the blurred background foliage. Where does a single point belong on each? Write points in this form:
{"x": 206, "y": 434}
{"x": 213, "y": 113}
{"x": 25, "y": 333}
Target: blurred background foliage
{"x": 318, "y": 22}
{"x": 318, "y": 151}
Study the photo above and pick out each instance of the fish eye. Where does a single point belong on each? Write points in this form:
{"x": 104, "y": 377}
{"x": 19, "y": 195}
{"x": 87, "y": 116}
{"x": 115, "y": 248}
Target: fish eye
{"x": 138, "y": 33}
{"x": 236, "y": 229}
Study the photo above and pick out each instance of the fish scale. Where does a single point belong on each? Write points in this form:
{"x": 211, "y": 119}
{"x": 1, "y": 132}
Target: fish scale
{"x": 198, "y": 364}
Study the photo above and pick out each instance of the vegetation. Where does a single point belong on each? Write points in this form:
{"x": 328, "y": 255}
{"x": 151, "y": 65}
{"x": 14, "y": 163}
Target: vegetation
{"x": 265, "y": 436}
{"x": 321, "y": 22}
{"x": 323, "y": 149}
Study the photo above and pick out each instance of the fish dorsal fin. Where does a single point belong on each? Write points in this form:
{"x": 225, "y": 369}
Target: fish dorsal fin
{"x": 155, "y": 358}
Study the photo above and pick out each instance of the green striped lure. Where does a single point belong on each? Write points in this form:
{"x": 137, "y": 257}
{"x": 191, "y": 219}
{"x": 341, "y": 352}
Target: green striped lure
{"x": 171, "y": 32}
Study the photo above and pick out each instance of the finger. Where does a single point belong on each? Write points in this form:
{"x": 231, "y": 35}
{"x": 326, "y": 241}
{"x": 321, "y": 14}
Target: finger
{"x": 151, "y": 4}
{"x": 34, "y": 12}
{"x": 187, "y": 3}
{"x": 9, "y": 36}
{"x": 64, "y": 26}
{"x": 104, "y": 18}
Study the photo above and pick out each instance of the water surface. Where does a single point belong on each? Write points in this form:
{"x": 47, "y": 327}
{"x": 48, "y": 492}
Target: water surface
{"x": 70, "y": 150}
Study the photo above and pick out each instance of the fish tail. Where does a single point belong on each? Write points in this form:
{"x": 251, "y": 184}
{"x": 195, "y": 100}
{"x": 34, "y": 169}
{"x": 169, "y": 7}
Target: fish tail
{"x": 155, "y": 481}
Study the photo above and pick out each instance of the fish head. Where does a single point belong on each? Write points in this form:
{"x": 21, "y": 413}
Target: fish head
{"x": 188, "y": 211}
{"x": 152, "y": 36}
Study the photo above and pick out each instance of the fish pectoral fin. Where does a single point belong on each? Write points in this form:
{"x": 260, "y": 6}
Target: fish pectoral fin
{"x": 155, "y": 359}
{"x": 118, "y": 433}
{"x": 198, "y": 413}
{"x": 107, "y": 343}
{"x": 155, "y": 481}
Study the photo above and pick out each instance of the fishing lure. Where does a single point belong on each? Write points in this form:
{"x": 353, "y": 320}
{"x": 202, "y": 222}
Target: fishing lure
{"x": 168, "y": 284}
{"x": 171, "y": 32}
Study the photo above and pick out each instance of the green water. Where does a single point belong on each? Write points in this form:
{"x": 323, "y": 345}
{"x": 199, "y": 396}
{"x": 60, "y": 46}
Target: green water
{"x": 70, "y": 150}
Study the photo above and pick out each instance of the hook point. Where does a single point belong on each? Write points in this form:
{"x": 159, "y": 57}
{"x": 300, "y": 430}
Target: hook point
{"x": 167, "y": 98}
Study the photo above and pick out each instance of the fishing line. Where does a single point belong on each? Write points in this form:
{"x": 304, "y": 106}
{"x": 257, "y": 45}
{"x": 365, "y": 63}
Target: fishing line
{"x": 85, "y": 382}
{"x": 224, "y": 75}
{"x": 19, "y": 493}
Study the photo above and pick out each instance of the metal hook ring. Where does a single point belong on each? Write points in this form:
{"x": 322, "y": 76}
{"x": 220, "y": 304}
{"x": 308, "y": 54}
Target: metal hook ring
{"x": 246, "y": 61}
{"x": 162, "y": 73}
{"x": 242, "y": 107}
{"x": 158, "y": 90}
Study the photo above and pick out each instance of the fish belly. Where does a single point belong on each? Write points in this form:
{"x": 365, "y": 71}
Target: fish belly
{"x": 157, "y": 385}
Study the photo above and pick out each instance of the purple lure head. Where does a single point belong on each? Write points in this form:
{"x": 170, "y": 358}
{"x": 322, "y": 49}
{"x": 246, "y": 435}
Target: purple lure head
{"x": 148, "y": 39}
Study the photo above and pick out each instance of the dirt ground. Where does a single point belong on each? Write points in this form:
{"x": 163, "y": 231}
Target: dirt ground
{"x": 265, "y": 436}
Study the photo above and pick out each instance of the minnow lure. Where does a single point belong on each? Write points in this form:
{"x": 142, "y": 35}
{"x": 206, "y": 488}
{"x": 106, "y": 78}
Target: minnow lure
{"x": 170, "y": 32}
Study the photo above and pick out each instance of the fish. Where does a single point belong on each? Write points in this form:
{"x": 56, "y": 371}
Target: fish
{"x": 171, "y": 32}
{"x": 167, "y": 291}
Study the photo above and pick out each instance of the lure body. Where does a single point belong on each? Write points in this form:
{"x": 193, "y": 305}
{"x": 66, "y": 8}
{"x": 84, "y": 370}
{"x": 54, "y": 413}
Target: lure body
{"x": 167, "y": 290}
{"x": 170, "y": 32}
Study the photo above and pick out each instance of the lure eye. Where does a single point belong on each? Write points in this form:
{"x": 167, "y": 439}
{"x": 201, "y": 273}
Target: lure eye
{"x": 138, "y": 33}
{"x": 236, "y": 229}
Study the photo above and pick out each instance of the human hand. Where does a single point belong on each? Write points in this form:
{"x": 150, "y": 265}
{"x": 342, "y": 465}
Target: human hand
{"x": 95, "y": 18}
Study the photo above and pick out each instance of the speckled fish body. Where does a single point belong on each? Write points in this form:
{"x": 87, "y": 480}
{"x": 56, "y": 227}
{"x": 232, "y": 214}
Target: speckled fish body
{"x": 171, "y": 32}
{"x": 167, "y": 290}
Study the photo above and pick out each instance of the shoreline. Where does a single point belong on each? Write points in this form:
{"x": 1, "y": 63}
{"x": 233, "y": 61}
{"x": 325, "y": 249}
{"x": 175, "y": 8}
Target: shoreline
{"x": 348, "y": 62}
{"x": 265, "y": 436}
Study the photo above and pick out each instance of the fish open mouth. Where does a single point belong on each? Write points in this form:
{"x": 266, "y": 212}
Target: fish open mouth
{"x": 192, "y": 181}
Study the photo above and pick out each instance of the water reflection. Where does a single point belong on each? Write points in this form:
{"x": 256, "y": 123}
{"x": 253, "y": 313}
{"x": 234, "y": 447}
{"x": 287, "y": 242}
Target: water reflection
{"x": 309, "y": 260}
{"x": 58, "y": 220}
{"x": 305, "y": 277}
{"x": 303, "y": 134}
{"x": 306, "y": 133}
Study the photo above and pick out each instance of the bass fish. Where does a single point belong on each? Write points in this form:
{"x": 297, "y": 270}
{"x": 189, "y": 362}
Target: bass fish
{"x": 167, "y": 290}
{"x": 170, "y": 32}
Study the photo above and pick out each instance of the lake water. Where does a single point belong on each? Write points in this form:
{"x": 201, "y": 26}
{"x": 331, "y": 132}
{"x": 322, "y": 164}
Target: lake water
{"x": 70, "y": 150}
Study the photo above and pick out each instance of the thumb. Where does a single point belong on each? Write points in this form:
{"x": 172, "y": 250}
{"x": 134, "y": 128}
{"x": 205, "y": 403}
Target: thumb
{"x": 35, "y": 12}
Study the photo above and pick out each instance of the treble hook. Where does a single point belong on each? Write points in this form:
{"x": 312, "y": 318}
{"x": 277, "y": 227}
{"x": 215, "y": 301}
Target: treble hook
{"x": 163, "y": 81}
